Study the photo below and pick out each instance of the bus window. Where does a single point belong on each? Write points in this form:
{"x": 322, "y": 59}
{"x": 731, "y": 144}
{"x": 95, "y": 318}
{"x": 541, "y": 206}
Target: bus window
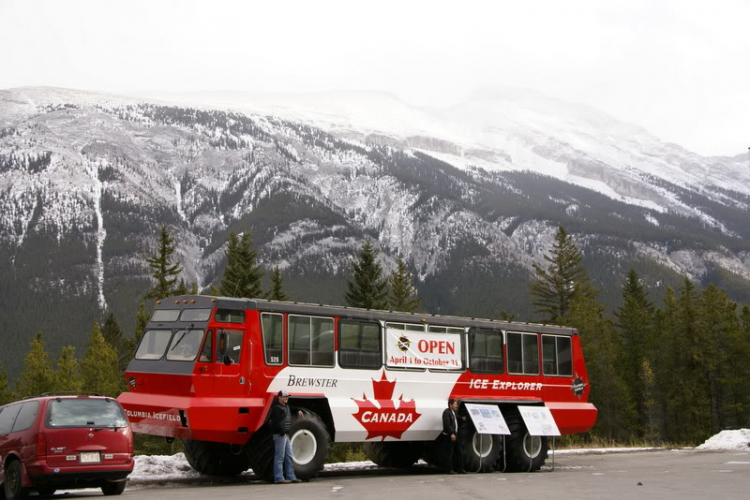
{"x": 233, "y": 347}
{"x": 164, "y": 315}
{"x": 485, "y": 350}
{"x": 153, "y": 344}
{"x": 207, "y": 348}
{"x": 273, "y": 338}
{"x": 195, "y": 315}
{"x": 523, "y": 353}
{"x": 185, "y": 345}
{"x": 360, "y": 345}
{"x": 229, "y": 316}
{"x": 556, "y": 359}
{"x": 310, "y": 341}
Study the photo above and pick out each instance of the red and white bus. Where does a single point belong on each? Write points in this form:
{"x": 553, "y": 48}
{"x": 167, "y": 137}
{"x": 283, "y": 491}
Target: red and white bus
{"x": 208, "y": 368}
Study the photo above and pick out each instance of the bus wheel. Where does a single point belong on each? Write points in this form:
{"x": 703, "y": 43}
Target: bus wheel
{"x": 310, "y": 445}
{"x": 481, "y": 451}
{"x": 394, "y": 454}
{"x": 525, "y": 453}
{"x": 216, "y": 459}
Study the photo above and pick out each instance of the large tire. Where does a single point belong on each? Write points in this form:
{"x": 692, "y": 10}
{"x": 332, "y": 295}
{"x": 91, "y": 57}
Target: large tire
{"x": 216, "y": 459}
{"x": 110, "y": 489}
{"x": 525, "y": 453}
{"x": 481, "y": 451}
{"x": 13, "y": 485}
{"x": 394, "y": 454}
{"x": 310, "y": 446}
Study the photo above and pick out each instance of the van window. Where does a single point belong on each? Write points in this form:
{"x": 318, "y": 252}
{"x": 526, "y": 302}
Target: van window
{"x": 233, "y": 347}
{"x": 84, "y": 412}
{"x": 195, "y": 315}
{"x": 310, "y": 341}
{"x": 8, "y": 417}
{"x": 26, "y": 416}
{"x": 273, "y": 338}
{"x": 229, "y": 316}
{"x": 185, "y": 345}
{"x": 486, "y": 350}
{"x": 523, "y": 353}
{"x": 164, "y": 315}
{"x": 556, "y": 358}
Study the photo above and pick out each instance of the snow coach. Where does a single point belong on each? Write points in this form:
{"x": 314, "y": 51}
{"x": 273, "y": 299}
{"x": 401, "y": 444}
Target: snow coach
{"x": 208, "y": 368}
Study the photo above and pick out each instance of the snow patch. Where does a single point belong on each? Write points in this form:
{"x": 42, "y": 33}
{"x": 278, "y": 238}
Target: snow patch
{"x": 728, "y": 440}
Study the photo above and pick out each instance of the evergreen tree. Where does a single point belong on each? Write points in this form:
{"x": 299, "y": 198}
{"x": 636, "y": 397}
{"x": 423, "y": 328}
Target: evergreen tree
{"x": 182, "y": 288}
{"x": 242, "y": 276}
{"x": 277, "y": 286}
{"x": 602, "y": 348}
{"x": 403, "y": 295}
{"x": 6, "y": 395}
{"x": 38, "y": 375}
{"x": 368, "y": 289}
{"x": 164, "y": 271}
{"x": 554, "y": 287}
{"x": 635, "y": 323}
{"x": 99, "y": 367}
{"x": 140, "y": 322}
{"x": 69, "y": 378}
{"x": 113, "y": 335}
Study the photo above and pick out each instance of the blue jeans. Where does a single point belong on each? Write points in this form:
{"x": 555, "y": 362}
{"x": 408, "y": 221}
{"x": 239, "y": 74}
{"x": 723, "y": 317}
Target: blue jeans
{"x": 282, "y": 454}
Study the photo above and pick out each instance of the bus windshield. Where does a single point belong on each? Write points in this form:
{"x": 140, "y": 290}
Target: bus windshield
{"x": 185, "y": 345}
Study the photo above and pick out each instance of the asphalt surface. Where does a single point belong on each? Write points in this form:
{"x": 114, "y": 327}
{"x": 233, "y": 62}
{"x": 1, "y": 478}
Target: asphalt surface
{"x": 676, "y": 474}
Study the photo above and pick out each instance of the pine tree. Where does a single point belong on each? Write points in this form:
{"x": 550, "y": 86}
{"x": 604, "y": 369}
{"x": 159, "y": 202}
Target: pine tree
{"x": 403, "y": 295}
{"x": 277, "y": 286}
{"x": 140, "y": 322}
{"x": 368, "y": 289}
{"x": 99, "y": 367}
{"x": 164, "y": 272}
{"x": 635, "y": 323}
{"x": 554, "y": 287}
{"x": 113, "y": 335}
{"x": 242, "y": 276}
{"x": 6, "y": 395}
{"x": 37, "y": 376}
{"x": 69, "y": 378}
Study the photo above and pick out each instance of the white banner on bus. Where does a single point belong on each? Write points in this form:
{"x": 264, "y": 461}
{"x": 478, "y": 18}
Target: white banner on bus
{"x": 487, "y": 419}
{"x": 407, "y": 349}
{"x": 539, "y": 421}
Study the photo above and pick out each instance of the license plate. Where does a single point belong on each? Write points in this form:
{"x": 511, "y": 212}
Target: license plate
{"x": 90, "y": 457}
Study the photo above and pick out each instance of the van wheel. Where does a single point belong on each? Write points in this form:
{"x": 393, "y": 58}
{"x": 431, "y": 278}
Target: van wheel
{"x": 13, "y": 486}
{"x": 394, "y": 454}
{"x": 525, "y": 453}
{"x": 310, "y": 445}
{"x": 216, "y": 459}
{"x": 481, "y": 451}
{"x": 114, "y": 488}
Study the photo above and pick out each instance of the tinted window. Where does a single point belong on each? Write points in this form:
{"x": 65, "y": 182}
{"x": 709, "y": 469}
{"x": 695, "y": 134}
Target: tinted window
{"x": 233, "y": 347}
{"x": 185, "y": 345}
{"x": 486, "y": 350}
{"x": 8, "y": 417}
{"x": 195, "y": 315}
{"x": 26, "y": 416}
{"x": 153, "y": 344}
{"x": 310, "y": 341}
{"x": 163, "y": 315}
{"x": 229, "y": 316}
{"x": 360, "y": 345}
{"x": 556, "y": 359}
{"x": 273, "y": 336}
{"x": 84, "y": 412}
{"x": 523, "y": 353}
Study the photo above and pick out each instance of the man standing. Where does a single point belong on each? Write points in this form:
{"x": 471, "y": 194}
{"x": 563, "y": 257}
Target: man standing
{"x": 280, "y": 422}
{"x": 452, "y": 454}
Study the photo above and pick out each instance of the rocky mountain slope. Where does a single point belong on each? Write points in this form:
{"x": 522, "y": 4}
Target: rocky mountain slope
{"x": 470, "y": 196}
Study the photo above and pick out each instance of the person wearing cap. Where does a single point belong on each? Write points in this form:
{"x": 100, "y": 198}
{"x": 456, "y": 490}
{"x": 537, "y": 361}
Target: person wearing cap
{"x": 280, "y": 422}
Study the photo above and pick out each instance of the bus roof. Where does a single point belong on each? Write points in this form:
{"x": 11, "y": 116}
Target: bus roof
{"x": 206, "y": 301}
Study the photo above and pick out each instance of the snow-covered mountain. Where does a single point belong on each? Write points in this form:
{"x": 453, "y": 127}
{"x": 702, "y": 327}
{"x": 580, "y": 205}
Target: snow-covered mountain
{"x": 469, "y": 195}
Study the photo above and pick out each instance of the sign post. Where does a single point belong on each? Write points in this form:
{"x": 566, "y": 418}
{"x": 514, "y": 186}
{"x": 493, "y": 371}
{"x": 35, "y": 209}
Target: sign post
{"x": 540, "y": 422}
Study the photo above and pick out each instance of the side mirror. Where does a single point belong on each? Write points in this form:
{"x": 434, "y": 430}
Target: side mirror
{"x": 227, "y": 360}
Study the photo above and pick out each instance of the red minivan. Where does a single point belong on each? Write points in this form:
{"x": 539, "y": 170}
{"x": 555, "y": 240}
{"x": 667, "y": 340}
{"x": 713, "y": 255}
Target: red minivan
{"x": 64, "y": 442}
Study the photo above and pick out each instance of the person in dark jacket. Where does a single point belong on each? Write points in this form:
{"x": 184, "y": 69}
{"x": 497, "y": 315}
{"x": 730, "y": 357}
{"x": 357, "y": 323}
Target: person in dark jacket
{"x": 452, "y": 455}
{"x": 280, "y": 422}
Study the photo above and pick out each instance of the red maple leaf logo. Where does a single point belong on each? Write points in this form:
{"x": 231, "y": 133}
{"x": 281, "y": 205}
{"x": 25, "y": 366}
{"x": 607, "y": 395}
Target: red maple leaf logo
{"x": 382, "y": 417}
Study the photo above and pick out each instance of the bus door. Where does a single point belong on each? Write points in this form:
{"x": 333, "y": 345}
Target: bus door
{"x": 230, "y": 378}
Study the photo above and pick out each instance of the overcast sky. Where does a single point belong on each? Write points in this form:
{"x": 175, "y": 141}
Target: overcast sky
{"x": 679, "y": 68}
